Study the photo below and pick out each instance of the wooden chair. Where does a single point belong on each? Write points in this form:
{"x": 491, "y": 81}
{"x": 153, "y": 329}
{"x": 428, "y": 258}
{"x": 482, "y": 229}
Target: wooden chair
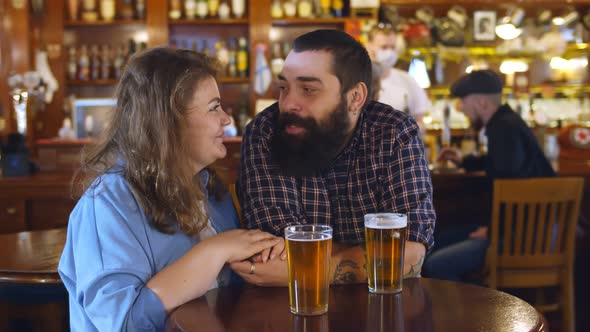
{"x": 234, "y": 197}
{"x": 532, "y": 238}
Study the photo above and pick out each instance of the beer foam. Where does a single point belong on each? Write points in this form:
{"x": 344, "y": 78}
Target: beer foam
{"x": 386, "y": 220}
{"x": 302, "y": 237}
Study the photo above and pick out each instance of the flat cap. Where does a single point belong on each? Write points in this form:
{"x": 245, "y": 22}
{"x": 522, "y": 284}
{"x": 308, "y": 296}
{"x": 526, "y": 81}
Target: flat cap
{"x": 478, "y": 81}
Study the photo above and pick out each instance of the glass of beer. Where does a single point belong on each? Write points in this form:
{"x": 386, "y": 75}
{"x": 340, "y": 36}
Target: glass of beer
{"x": 385, "y": 236}
{"x": 309, "y": 248}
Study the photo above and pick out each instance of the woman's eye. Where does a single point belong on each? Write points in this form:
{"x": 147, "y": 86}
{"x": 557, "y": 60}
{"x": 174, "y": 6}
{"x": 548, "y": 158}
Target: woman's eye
{"x": 215, "y": 108}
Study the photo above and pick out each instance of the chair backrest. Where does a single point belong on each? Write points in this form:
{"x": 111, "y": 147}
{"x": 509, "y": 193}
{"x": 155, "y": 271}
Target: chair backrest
{"x": 234, "y": 197}
{"x": 532, "y": 231}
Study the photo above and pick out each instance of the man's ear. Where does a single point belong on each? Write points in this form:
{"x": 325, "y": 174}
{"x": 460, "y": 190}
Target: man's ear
{"x": 357, "y": 97}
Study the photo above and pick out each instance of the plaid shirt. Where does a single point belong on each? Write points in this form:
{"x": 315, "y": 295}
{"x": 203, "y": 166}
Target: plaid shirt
{"x": 382, "y": 169}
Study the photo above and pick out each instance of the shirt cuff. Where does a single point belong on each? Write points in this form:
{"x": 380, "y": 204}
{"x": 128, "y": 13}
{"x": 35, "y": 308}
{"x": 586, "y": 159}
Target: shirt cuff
{"x": 147, "y": 313}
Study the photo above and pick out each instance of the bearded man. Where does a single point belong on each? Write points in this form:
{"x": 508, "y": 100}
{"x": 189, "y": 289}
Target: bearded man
{"x": 325, "y": 154}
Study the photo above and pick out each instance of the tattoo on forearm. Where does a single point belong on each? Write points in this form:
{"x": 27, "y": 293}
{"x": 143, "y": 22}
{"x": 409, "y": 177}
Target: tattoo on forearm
{"x": 415, "y": 269}
{"x": 346, "y": 272}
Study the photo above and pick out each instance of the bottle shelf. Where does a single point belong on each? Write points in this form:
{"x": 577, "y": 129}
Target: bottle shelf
{"x": 103, "y": 23}
{"x": 92, "y": 82}
{"x": 308, "y": 21}
{"x": 234, "y": 80}
{"x": 207, "y": 21}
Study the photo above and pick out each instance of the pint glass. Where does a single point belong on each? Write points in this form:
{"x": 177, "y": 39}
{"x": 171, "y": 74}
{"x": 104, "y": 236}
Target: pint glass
{"x": 385, "y": 235}
{"x": 309, "y": 248}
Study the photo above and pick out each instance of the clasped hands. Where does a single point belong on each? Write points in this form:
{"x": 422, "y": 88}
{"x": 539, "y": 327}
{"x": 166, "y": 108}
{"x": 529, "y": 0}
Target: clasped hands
{"x": 266, "y": 268}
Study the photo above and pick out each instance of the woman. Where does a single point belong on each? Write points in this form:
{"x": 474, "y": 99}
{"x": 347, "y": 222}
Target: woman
{"x": 145, "y": 237}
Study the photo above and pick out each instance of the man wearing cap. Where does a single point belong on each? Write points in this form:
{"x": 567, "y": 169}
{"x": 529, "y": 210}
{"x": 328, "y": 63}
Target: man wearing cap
{"x": 513, "y": 152}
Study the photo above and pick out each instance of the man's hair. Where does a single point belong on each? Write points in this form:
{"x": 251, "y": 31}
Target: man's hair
{"x": 351, "y": 63}
{"x": 383, "y": 28}
{"x": 147, "y": 136}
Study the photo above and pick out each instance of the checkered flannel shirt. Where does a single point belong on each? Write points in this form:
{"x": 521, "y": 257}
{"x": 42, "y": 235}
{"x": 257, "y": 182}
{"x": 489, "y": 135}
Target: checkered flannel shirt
{"x": 382, "y": 169}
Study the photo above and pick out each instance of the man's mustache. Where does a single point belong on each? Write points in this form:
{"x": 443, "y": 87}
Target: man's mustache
{"x": 291, "y": 119}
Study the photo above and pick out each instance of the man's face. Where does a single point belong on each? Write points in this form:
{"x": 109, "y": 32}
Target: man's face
{"x": 470, "y": 105}
{"x": 314, "y": 120}
{"x": 382, "y": 40}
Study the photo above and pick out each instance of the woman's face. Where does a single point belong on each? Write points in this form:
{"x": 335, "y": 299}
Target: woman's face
{"x": 205, "y": 122}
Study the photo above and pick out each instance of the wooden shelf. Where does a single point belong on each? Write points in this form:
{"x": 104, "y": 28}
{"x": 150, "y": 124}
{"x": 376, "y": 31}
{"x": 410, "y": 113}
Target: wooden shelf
{"x": 309, "y": 21}
{"x": 234, "y": 80}
{"x": 103, "y": 23}
{"x": 203, "y": 21}
{"x": 92, "y": 82}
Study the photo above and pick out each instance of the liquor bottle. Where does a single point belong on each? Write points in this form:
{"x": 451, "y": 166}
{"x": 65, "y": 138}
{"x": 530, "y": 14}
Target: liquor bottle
{"x": 195, "y": 47}
{"x": 276, "y": 10}
{"x": 119, "y": 61}
{"x": 337, "y": 6}
{"x": 89, "y": 13}
{"x": 238, "y": 8}
{"x": 107, "y": 9}
{"x": 224, "y": 10}
{"x": 213, "y": 6}
{"x": 232, "y": 69}
{"x": 127, "y": 10}
{"x": 222, "y": 56}
{"x": 290, "y": 8}
{"x": 142, "y": 46}
{"x": 325, "y": 8}
{"x": 73, "y": 8}
{"x": 105, "y": 62}
{"x": 94, "y": 63}
{"x": 131, "y": 49}
{"x": 72, "y": 65}
{"x": 83, "y": 64}
{"x": 305, "y": 9}
{"x": 286, "y": 48}
{"x": 243, "y": 117}
{"x": 190, "y": 9}
{"x": 140, "y": 9}
{"x": 277, "y": 61}
{"x": 175, "y": 11}
{"x": 205, "y": 49}
{"x": 446, "y": 129}
{"x": 202, "y": 8}
{"x": 242, "y": 57}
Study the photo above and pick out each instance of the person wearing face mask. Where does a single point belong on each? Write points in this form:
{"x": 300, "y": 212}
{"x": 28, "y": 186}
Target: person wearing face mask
{"x": 398, "y": 88}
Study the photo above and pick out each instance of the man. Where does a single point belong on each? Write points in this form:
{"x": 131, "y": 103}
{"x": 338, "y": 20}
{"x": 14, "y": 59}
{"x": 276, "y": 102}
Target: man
{"x": 326, "y": 155}
{"x": 513, "y": 152}
{"x": 398, "y": 88}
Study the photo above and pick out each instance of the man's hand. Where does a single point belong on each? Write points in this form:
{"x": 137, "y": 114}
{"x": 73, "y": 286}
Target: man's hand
{"x": 272, "y": 273}
{"x": 480, "y": 233}
{"x": 413, "y": 259}
{"x": 450, "y": 154}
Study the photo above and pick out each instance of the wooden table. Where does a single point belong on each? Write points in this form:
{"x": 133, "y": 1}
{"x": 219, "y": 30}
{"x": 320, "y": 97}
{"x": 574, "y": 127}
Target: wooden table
{"x": 424, "y": 305}
{"x": 31, "y": 258}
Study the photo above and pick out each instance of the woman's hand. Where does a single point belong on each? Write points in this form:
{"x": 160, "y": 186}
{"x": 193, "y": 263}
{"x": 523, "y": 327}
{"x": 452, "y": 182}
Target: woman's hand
{"x": 241, "y": 244}
{"x": 271, "y": 253}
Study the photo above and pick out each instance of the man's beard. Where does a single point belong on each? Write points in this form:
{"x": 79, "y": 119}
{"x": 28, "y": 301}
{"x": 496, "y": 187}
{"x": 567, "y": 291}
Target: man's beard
{"x": 316, "y": 148}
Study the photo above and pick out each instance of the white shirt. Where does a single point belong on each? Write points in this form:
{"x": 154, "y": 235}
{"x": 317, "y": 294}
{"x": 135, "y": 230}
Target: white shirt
{"x": 398, "y": 84}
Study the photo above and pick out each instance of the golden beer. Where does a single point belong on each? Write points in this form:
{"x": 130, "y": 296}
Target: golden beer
{"x": 385, "y": 235}
{"x": 309, "y": 248}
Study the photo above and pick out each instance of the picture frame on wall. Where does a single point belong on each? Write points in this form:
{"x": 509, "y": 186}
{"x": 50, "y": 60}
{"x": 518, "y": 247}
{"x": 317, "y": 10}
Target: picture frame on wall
{"x": 484, "y": 25}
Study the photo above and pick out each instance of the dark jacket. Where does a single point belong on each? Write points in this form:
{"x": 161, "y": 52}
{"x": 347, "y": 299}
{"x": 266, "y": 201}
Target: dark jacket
{"x": 513, "y": 150}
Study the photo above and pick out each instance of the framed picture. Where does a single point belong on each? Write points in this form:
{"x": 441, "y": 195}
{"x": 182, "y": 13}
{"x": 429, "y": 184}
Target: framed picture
{"x": 484, "y": 25}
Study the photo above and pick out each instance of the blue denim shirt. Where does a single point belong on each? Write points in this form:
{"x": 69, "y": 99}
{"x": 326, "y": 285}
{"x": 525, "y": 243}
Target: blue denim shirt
{"x": 112, "y": 251}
